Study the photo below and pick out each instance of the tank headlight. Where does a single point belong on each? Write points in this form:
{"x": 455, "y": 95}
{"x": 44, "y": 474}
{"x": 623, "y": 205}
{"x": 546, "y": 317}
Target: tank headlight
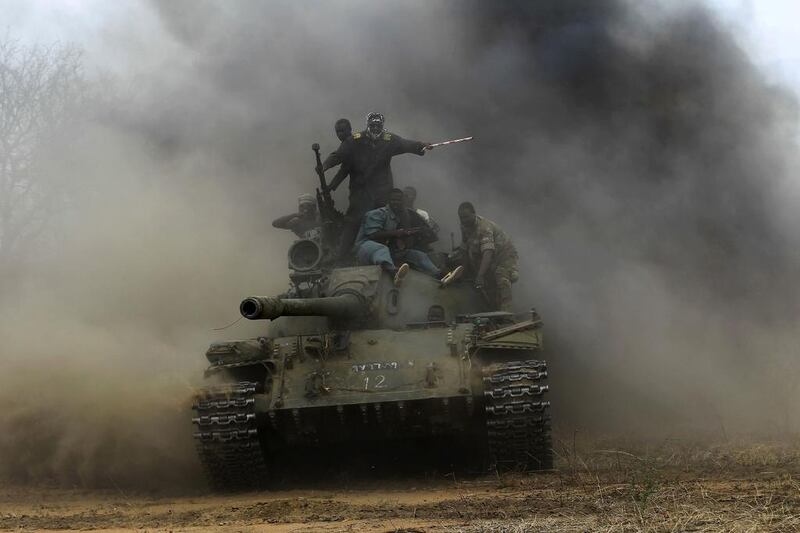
{"x": 304, "y": 255}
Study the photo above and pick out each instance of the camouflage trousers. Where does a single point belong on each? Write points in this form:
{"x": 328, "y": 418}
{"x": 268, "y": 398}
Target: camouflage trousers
{"x": 503, "y": 274}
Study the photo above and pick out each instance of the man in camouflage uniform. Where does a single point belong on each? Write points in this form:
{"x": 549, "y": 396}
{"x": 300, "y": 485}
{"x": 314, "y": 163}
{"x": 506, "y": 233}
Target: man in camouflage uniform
{"x": 368, "y": 155}
{"x": 489, "y": 255}
{"x": 305, "y": 221}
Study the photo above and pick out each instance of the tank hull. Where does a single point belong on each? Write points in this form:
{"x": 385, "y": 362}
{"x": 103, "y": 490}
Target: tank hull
{"x": 426, "y": 374}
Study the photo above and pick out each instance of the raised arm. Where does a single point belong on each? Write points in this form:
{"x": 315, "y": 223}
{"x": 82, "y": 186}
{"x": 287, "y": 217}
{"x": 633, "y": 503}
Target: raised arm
{"x": 405, "y": 146}
{"x": 286, "y": 221}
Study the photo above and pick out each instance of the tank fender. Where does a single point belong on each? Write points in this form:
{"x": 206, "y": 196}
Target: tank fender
{"x": 240, "y": 351}
{"x": 523, "y": 336}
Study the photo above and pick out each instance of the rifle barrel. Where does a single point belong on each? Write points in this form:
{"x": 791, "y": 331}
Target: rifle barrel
{"x": 320, "y": 172}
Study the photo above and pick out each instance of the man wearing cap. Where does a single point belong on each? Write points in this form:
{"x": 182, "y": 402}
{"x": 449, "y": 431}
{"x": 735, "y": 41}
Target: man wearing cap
{"x": 368, "y": 155}
{"x": 305, "y": 221}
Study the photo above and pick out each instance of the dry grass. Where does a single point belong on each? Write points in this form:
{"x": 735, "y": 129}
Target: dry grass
{"x": 602, "y": 485}
{"x": 677, "y": 485}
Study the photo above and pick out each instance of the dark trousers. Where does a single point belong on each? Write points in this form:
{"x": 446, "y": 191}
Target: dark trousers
{"x": 350, "y": 227}
{"x": 360, "y": 201}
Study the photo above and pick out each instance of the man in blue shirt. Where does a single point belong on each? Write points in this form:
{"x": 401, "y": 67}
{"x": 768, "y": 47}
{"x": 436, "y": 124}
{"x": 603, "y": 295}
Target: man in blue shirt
{"x": 394, "y": 233}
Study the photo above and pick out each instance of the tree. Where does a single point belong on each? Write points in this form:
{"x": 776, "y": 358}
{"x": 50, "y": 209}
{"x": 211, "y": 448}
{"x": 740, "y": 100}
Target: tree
{"x": 42, "y": 93}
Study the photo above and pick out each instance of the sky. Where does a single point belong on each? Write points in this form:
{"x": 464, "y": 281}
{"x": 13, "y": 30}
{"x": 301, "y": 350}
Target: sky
{"x": 766, "y": 29}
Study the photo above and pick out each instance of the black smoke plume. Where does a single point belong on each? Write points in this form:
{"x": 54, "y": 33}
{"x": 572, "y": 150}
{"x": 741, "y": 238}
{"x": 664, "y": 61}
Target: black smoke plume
{"x": 633, "y": 149}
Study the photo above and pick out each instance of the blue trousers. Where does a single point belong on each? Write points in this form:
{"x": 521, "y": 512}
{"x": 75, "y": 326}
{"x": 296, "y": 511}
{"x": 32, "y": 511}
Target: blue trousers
{"x": 375, "y": 253}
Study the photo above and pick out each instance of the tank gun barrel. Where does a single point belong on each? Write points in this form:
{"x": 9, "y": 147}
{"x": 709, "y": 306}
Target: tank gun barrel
{"x": 346, "y": 305}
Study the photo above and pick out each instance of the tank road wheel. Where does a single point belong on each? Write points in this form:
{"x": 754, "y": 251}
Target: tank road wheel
{"x": 517, "y": 421}
{"x": 227, "y": 436}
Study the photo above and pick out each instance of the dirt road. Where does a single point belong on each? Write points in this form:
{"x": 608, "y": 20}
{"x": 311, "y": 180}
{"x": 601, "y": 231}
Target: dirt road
{"x": 752, "y": 488}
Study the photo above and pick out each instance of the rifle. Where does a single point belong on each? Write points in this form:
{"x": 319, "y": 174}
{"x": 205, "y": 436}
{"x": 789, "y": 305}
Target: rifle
{"x": 406, "y": 241}
{"x": 331, "y": 218}
{"x": 327, "y": 210}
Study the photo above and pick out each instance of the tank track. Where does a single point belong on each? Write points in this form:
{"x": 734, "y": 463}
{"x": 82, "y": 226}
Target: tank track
{"x": 227, "y": 436}
{"x": 517, "y": 422}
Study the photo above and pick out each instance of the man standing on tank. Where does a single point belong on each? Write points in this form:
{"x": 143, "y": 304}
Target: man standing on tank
{"x": 368, "y": 155}
{"x": 344, "y": 130}
{"x": 489, "y": 255}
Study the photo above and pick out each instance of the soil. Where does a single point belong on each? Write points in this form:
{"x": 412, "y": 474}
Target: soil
{"x": 750, "y": 488}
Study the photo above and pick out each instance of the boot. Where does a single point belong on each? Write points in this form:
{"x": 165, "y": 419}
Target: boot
{"x": 451, "y": 276}
{"x": 400, "y": 275}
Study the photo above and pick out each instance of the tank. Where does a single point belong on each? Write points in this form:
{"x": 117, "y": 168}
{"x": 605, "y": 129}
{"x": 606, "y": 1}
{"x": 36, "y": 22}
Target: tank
{"x": 348, "y": 360}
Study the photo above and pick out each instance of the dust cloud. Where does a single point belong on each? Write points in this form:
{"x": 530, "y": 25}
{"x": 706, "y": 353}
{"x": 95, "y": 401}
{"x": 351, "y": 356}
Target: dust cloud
{"x": 638, "y": 158}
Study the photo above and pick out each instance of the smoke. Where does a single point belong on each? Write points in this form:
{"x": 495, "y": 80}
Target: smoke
{"x": 653, "y": 171}
{"x": 637, "y": 157}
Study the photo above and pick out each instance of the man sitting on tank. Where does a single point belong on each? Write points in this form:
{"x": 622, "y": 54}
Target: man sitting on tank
{"x": 410, "y": 194}
{"x": 305, "y": 221}
{"x": 394, "y": 234}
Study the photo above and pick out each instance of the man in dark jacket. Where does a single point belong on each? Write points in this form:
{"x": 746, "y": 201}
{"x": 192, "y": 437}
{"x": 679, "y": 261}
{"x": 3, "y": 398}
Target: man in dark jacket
{"x": 344, "y": 130}
{"x": 368, "y": 155}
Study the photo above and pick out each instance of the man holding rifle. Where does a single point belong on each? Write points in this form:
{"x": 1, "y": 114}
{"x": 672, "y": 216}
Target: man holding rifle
{"x": 394, "y": 234}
